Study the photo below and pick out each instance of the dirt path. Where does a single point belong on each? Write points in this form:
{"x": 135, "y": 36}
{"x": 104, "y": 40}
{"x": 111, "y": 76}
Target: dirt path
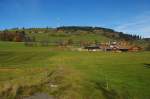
{"x": 9, "y": 69}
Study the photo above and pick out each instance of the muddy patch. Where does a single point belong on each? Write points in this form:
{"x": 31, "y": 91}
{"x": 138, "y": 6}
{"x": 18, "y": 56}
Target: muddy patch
{"x": 39, "y": 96}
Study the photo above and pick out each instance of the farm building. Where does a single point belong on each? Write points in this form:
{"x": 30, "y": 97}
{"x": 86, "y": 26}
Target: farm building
{"x": 113, "y": 46}
{"x": 135, "y": 49}
{"x": 92, "y": 48}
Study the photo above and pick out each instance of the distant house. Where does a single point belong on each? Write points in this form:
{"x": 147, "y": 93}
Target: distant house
{"x": 113, "y": 46}
{"x": 92, "y": 48}
{"x": 135, "y": 49}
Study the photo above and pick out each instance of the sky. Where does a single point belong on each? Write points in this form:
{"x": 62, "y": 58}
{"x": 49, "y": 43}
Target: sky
{"x": 129, "y": 16}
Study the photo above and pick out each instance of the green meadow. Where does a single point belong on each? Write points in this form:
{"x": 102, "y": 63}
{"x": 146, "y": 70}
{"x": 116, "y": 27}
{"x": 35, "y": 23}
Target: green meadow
{"x": 75, "y": 37}
{"x": 75, "y": 74}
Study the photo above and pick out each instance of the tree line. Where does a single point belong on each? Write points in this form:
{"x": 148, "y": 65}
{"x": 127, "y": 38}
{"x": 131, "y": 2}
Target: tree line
{"x": 17, "y": 36}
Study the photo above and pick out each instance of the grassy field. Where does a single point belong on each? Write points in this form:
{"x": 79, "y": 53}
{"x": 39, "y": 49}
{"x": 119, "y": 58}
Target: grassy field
{"x": 55, "y": 37}
{"x": 76, "y": 75}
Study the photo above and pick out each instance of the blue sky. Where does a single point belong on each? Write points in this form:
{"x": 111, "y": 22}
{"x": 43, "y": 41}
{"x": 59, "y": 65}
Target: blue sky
{"x": 129, "y": 16}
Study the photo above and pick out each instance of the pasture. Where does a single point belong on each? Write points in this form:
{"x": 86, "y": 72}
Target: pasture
{"x": 81, "y": 75}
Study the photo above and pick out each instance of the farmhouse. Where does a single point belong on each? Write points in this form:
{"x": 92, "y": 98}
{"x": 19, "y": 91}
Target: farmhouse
{"x": 92, "y": 48}
{"x": 113, "y": 46}
{"x": 135, "y": 49}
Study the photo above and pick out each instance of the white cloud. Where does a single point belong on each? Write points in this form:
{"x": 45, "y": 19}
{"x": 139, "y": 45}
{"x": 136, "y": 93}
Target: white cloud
{"x": 138, "y": 25}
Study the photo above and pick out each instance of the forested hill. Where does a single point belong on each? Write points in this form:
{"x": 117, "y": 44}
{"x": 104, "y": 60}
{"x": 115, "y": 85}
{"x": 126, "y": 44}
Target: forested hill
{"x": 110, "y": 33}
{"x": 66, "y": 31}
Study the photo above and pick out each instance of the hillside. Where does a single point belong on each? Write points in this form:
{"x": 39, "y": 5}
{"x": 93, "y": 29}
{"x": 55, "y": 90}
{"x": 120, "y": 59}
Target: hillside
{"x": 70, "y": 32}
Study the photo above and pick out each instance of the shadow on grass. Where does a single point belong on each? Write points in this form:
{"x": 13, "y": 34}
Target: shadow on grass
{"x": 146, "y": 65}
{"x": 110, "y": 93}
{"x": 107, "y": 93}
